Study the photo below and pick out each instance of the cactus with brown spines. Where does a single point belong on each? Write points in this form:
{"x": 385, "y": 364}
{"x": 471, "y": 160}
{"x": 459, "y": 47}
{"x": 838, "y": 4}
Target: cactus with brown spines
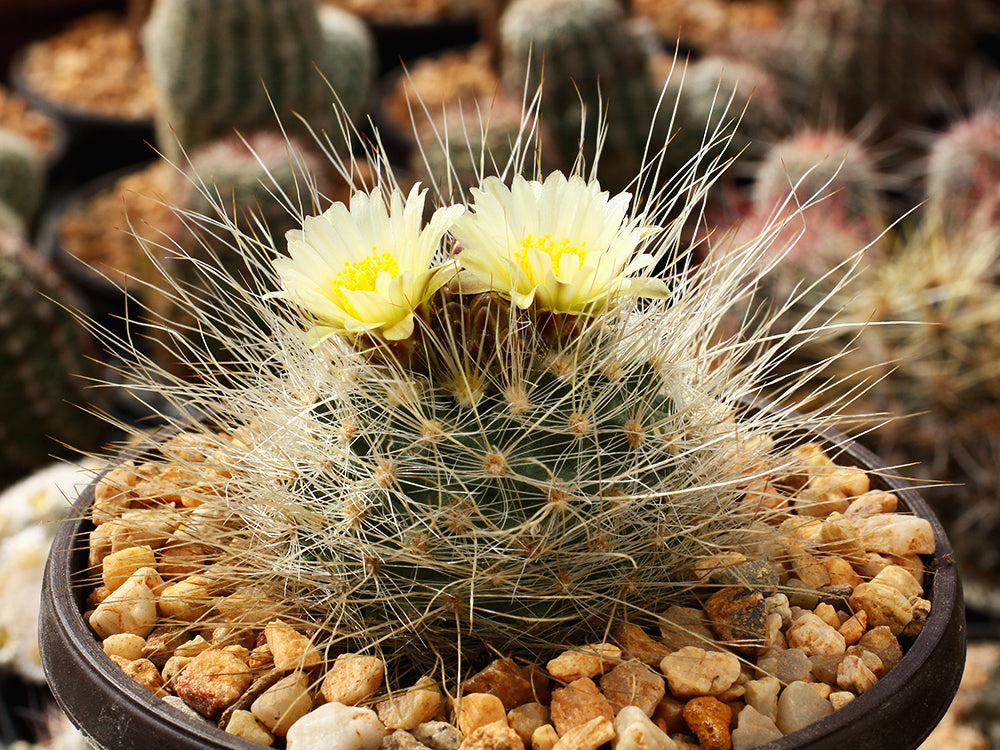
{"x": 46, "y": 359}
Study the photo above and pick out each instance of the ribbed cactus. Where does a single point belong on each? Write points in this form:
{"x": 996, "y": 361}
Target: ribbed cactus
{"x": 487, "y": 423}
{"x": 589, "y": 55}
{"x": 730, "y": 94}
{"x": 225, "y": 64}
{"x": 853, "y": 59}
{"x": 45, "y": 357}
{"x": 467, "y": 141}
{"x": 22, "y": 174}
{"x": 963, "y": 171}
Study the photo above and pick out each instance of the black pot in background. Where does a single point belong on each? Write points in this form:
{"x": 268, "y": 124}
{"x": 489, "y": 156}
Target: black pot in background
{"x": 95, "y": 143}
{"x": 115, "y": 712}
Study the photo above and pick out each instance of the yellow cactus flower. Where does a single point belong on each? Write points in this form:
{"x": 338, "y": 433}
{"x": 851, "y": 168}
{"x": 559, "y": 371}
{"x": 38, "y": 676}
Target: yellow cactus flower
{"x": 365, "y": 269}
{"x": 561, "y": 244}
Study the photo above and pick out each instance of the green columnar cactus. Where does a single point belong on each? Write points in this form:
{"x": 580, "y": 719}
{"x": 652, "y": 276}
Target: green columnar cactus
{"x": 45, "y": 357}
{"x": 22, "y": 174}
{"x": 351, "y": 63}
{"x": 588, "y": 55}
{"x": 963, "y": 171}
{"x": 225, "y": 64}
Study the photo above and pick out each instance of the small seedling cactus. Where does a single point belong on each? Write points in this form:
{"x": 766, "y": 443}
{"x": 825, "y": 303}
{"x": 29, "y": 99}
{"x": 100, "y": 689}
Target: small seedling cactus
{"x": 238, "y": 63}
{"x": 45, "y": 360}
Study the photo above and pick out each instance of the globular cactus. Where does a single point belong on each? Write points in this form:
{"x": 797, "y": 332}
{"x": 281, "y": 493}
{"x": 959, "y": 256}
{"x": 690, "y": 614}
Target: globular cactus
{"x": 855, "y": 59}
{"x": 963, "y": 171}
{"x": 45, "y": 360}
{"x": 225, "y": 64}
{"x": 733, "y": 95}
{"x": 487, "y": 428}
{"x": 591, "y": 58}
{"x": 22, "y": 175}
{"x": 472, "y": 139}
{"x": 351, "y": 63}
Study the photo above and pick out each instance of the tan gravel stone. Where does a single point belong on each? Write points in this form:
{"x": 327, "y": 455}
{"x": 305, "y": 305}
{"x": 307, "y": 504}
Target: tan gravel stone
{"x": 684, "y": 626}
{"x": 512, "y": 683}
{"x": 119, "y": 566}
{"x": 635, "y": 731}
{"x": 186, "y": 600}
{"x": 130, "y": 608}
{"x": 290, "y": 649}
{"x": 528, "y": 717}
{"x": 854, "y": 627}
{"x": 477, "y": 710}
{"x": 544, "y": 738}
{"x": 882, "y": 642}
{"x": 589, "y": 661}
{"x": 410, "y": 708}
{"x": 143, "y": 671}
{"x": 895, "y": 534}
{"x": 587, "y": 736}
{"x": 636, "y": 643}
{"x": 693, "y": 671}
{"x": 244, "y": 724}
{"x": 126, "y": 645}
{"x": 352, "y": 679}
{"x": 495, "y": 736}
{"x": 632, "y": 683}
{"x": 855, "y": 676}
{"x": 884, "y": 605}
{"x": 211, "y": 681}
{"x": 814, "y": 636}
{"x": 577, "y": 703}
{"x": 284, "y": 703}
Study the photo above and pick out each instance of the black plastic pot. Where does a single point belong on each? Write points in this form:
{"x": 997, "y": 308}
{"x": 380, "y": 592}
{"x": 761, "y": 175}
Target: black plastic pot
{"x": 114, "y": 712}
{"x": 94, "y": 143}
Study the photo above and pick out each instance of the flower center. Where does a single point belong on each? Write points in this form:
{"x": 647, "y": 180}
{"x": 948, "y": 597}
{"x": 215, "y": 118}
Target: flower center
{"x": 360, "y": 276}
{"x": 555, "y": 251}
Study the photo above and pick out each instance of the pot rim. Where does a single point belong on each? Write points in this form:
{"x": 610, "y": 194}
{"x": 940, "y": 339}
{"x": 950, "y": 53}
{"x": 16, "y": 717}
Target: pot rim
{"x": 943, "y": 636}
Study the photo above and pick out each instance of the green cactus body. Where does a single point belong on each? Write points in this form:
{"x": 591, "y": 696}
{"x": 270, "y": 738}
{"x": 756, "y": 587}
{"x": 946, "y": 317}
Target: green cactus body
{"x": 521, "y": 491}
{"x": 351, "y": 61}
{"x": 22, "y": 174}
{"x": 963, "y": 170}
{"x": 44, "y": 360}
{"x": 586, "y": 52}
{"x": 225, "y": 64}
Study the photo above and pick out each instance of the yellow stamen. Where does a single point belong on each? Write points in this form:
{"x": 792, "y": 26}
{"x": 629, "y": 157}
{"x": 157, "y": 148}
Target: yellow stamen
{"x": 547, "y": 245}
{"x": 361, "y": 275}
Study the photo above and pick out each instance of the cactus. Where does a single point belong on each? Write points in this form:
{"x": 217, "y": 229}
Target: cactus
{"x": 715, "y": 89}
{"x": 225, "y": 64}
{"x": 589, "y": 55}
{"x": 854, "y": 59}
{"x": 22, "y": 174}
{"x": 489, "y": 428}
{"x": 45, "y": 359}
{"x": 963, "y": 171}
{"x": 352, "y": 61}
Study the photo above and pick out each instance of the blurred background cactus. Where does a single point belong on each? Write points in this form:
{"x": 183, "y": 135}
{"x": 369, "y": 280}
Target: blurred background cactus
{"x": 242, "y": 63}
{"x": 22, "y": 176}
{"x": 45, "y": 360}
{"x": 589, "y": 55}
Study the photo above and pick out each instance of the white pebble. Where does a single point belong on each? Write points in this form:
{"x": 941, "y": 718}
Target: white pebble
{"x": 339, "y": 726}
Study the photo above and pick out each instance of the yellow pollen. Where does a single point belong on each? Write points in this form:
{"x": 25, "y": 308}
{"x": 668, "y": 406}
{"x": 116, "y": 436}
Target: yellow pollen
{"x": 360, "y": 276}
{"x": 555, "y": 250}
